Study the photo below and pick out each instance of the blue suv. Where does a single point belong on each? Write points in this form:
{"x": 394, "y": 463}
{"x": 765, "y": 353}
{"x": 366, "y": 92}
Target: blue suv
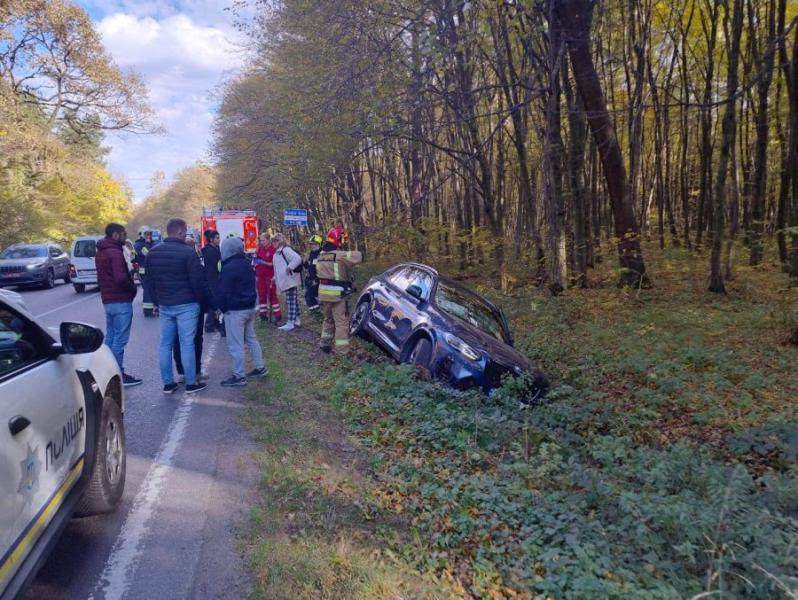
{"x": 421, "y": 317}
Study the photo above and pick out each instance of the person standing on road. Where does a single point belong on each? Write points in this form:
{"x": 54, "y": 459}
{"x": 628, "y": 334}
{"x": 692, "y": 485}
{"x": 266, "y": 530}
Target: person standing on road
{"x": 267, "y": 287}
{"x": 212, "y": 263}
{"x": 336, "y": 271}
{"x": 117, "y": 291}
{"x": 176, "y": 283}
{"x": 287, "y": 272}
{"x": 235, "y": 296}
{"x": 142, "y": 247}
{"x": 198, "y": 334}
{"x": 311, "y": 279}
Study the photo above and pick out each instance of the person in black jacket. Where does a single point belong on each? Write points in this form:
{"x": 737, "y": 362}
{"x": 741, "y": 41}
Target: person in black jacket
{"x": 176, "y": 283}
{"x": 236, "y": 297}
{"x": 311, "y": 279}
{"x": 212, "y": 261}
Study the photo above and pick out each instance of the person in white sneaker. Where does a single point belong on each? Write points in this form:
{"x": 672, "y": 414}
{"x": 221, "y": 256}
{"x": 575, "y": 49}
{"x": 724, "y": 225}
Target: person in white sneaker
{"x": 288, "y": 273}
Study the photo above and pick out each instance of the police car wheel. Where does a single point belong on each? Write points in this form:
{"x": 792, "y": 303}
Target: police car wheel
{"x": 108, "y": 477}
{"x": 360, "y": 320}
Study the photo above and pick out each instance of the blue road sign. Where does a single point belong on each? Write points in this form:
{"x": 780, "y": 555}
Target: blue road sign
{"x": 295, "y": 216}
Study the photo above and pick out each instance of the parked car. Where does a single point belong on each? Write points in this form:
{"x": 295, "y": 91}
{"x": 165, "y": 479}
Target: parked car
{"x": 33, "y": 264}
{"x": 62, "y": 440}
{"x": 82, "y": 269}
{"x": 421, "y": 317}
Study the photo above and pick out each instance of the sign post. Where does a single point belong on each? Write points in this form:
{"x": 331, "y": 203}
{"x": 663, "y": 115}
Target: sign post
{"x": 295, "y": 216}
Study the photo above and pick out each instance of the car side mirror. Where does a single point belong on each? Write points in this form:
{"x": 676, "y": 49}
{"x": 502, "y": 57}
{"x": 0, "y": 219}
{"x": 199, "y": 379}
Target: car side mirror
{"x": 416, "y": 292}
{"x": 79, "y": 338}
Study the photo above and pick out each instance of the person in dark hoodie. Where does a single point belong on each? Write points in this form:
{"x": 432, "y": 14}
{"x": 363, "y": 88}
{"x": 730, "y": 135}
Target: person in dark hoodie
{"x": 117, "y": 291}
{"x": 236, "y": 297}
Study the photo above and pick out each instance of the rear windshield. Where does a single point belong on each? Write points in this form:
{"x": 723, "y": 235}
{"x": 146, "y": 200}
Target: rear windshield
{"x": 470, "y": 309}
{"x": 85, "y": 249}
{"x": 24, "y": 252}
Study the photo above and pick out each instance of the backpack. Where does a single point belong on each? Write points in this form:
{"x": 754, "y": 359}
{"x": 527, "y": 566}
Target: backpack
{"x": 301, "y": 263}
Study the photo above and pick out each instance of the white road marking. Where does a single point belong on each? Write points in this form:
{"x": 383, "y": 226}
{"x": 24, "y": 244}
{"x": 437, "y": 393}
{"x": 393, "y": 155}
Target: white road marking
{"x": 63, "y": 306}
{"x": 121, "y": 565}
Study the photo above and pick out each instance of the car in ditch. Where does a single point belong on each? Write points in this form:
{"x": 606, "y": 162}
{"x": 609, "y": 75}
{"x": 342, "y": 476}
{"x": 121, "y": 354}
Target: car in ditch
{"x": 62, "y": 436}
{"x": 33, "y": 264}
{"x": 420, "y": 317}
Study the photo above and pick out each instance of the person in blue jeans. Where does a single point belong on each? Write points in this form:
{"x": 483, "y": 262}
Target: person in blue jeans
{"x": 236, "y": 297}
{"x": 117, "y": 291}
{"x": 176, "y": 283}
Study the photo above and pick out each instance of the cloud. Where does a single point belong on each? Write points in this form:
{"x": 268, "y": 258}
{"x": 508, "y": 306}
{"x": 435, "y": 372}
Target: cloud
{"x": 183, "y": 55}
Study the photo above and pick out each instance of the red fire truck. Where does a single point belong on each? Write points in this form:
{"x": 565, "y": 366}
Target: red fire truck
{"x": 238, "y": 223}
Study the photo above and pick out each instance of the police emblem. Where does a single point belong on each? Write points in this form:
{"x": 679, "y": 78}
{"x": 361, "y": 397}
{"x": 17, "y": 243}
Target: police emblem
{"x": 31, "y": 466}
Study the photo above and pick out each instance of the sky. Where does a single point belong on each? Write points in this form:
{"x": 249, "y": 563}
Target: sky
{"x": 183, "y": 49}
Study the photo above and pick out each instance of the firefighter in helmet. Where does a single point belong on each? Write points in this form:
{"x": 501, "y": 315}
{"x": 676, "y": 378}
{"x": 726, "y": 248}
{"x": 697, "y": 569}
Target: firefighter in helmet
{"x": 335, "y": 269}
{"x": 143, "y": 246}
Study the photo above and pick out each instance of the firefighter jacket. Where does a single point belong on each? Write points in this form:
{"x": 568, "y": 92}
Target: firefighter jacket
{"x": 336, "y": 273}
{"x": 142, "y": 248}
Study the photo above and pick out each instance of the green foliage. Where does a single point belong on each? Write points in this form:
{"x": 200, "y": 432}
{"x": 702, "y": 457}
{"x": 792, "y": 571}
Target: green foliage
{"x": 517, "y": 500}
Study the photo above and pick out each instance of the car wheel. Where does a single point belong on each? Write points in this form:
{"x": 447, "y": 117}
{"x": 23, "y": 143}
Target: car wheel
{"x": 358, "y": 325}
{"x": 108, "y": 476}
{"x": 421, "y": 355}
{"x": 67, "y": 277}
{"x": 79, "y": 287}
{"x": 49, "y": 282}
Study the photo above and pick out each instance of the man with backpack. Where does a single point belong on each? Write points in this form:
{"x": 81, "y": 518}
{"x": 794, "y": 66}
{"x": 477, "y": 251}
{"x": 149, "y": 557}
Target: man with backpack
{"x": 288, "y": 273}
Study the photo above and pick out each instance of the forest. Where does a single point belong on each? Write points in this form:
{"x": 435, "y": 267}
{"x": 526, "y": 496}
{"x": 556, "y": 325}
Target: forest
{"x": 60, "y": 94}
{"x": 545, "y": 134}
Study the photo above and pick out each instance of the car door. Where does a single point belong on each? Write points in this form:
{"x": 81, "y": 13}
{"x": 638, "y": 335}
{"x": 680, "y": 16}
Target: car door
{"x": 42, "y": 433}
{"x": 385, "y": 300}
{"x": 405, "y": 315}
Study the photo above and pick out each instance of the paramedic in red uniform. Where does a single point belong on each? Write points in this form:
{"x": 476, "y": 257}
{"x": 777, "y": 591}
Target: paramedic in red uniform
{"x": 267, "y": 288}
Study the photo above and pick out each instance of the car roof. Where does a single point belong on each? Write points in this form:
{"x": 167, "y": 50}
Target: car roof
{"x": 448, "y": 281}
{"x": 89, "y": 237}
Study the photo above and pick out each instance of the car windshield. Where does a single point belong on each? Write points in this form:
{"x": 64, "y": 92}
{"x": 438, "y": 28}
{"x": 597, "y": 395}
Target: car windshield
{"x": 85, "y": 249}
{"x": 470, "y": 309}
{"x": 24, "y": 252}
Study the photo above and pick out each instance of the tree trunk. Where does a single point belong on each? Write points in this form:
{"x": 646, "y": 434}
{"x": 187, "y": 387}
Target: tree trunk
{"x": 716, "y": 283}
{"x": 576, "y": 18}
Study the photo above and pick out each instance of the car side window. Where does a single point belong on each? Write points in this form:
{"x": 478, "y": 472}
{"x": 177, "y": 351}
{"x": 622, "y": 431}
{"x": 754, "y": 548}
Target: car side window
{"x": 21, "y": 342}
{"x": 55, "y": 252}
{"x": 422, "y": 279}
{"x": 401, "y": 278}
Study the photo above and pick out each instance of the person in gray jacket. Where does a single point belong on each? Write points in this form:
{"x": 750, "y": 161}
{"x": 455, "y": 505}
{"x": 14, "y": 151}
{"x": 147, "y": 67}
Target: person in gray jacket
{"x": 236, "y": 297}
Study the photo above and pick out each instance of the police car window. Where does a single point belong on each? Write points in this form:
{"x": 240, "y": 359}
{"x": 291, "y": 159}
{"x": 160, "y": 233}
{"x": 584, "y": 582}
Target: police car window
{"x": 21, "y": 342}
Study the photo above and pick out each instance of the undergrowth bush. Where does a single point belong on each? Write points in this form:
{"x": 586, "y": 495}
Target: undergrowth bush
{"x": 540, "y": 501}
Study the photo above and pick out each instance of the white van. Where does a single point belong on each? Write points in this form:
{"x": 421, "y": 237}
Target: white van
{"x": 82, "y": 269}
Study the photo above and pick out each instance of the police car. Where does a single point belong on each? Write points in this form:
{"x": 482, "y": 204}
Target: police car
{"x": 62, "y": 437}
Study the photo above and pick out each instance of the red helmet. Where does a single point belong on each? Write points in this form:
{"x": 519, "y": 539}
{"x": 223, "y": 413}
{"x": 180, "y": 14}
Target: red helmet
{"x": 336, "y": 236}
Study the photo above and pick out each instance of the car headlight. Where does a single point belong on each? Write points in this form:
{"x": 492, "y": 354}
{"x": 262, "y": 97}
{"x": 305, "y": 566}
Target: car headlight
{"x": 36, "y": 266}
{"x": 459, "y": 345}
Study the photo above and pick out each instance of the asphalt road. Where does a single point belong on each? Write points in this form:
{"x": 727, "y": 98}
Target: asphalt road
{"x": 190, "y": 480}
